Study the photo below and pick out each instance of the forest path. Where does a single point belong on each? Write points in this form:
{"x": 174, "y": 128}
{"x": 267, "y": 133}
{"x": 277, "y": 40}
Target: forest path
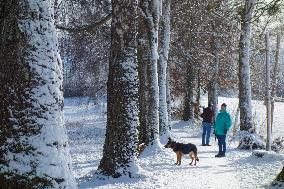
{"x": 239, "y": 169}
{"x": 86, "y": 132}
{"x": 210, "y": 172}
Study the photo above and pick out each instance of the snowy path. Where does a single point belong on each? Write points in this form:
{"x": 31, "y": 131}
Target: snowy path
{"x": 239, "y": 170}
{"x": 210, "y": 172}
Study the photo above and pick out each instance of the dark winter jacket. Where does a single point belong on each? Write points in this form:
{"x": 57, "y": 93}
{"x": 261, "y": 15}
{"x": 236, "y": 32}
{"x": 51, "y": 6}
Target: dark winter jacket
{"x": 207, "y": 115}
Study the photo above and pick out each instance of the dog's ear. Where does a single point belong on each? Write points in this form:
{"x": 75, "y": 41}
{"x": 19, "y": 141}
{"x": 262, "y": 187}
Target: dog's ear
{"x": 170, "y": 139}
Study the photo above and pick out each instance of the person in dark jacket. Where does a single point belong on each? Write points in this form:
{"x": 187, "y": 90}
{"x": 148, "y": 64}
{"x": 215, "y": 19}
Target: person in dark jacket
{"x": 222, "y": 124}
{"x": 208, "y": 117}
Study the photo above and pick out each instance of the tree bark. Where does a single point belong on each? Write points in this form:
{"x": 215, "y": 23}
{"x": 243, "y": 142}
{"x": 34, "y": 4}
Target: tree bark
{"x": 235, "y": 125}
{"x": 163, "y": 59}
{"x": 151, "y": 10}
{"x": 267, "y": 95}
{"x": 143, "y": 56}
{"x": 169, "y": 99}
{"x": 198, "y": 95}
{"x": 213, "y": 83}
{"x": 244, "y": 68}
{"x": 119, "y": 153}
{"x": 34, "y": 150}
{"x": 189, "y": 96}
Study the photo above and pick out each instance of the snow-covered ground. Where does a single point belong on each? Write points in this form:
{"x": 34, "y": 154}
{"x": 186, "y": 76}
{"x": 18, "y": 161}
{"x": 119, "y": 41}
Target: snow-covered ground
{"x": 240, "y": 169}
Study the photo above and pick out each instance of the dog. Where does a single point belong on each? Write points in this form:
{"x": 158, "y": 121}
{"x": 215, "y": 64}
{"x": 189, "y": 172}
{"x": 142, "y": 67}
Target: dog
{"x": 181, "y": 149}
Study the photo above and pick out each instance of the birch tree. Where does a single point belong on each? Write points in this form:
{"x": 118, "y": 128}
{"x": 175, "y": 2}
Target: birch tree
{"x": 119, "y": 153}
{"x": 33, "y": 142}
{"x": 244, "y": 67}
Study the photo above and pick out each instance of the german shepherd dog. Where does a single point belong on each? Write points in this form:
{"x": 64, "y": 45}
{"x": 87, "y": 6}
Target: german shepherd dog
{"x": 180, "y": 149}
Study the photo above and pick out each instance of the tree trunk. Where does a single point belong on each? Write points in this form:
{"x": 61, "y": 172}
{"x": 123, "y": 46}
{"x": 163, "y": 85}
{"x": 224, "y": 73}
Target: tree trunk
{"x": 34, "y": 149}
{"x": 189, "y": 98}
{"x": 244, "y": 68}
{"x": 119, "y": 154}
{"x": 143, "y": 62}
{"x": 267, "y": 95}
{"x": 275, "y": 77}
{"x": 169, "y": 99}
{"x": 165, "y": 43}
{"x": 151, "y": 9}
{"x": 198, "y": 96}
{"x": 235, "y": 125}
{"x": 213, "y": 83}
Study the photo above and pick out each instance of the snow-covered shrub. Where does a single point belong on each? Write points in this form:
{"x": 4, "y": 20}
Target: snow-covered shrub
{"x": 250, "y": 140}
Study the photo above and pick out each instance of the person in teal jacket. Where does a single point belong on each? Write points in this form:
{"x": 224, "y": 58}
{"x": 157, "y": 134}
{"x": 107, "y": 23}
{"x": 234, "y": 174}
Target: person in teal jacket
{"x": 222, "y": 124}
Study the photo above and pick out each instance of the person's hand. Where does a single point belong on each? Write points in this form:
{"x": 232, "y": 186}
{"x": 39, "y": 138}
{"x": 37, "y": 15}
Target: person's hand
{"x": 214, "y": 132}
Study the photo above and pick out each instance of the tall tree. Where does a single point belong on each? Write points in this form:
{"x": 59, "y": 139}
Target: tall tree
{"x": 213, "y": 83}
{"x": 151, "y": 11}
{"x": 190, "y": 87}
{"x": 119, "y": 154}
{"x": 169, "y": 99}
{"x": 163, "y": 64}
{"x": 244, "y": 67}
{"x": 268, "y": 93}
{"x": 143, "y": 57}
{"x": 33, "y": 142}
{"x": 191, "y": 41}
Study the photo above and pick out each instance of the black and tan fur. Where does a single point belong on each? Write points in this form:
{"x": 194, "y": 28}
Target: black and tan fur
{"x": 181, "y": 149}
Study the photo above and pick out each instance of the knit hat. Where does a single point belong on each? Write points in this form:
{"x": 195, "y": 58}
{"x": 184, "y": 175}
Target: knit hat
{"x": 224, "y": 105}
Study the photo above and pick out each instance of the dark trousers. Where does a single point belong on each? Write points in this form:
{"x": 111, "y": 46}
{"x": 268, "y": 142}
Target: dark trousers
{"x": 221, "y": 144}
{"x": 206, "y": 133}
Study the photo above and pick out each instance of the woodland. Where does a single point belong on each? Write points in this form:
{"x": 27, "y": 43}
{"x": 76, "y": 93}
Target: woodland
{"x": 144, "y": 56}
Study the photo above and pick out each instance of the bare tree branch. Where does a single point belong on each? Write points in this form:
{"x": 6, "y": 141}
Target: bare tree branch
{"x": 88, "y": 28}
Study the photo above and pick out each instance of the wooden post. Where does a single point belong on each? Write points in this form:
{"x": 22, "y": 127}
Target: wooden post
{"x": 268, "y": 100}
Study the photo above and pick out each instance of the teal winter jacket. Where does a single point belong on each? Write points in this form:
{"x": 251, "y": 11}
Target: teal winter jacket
{"x": 222, "y": 123}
